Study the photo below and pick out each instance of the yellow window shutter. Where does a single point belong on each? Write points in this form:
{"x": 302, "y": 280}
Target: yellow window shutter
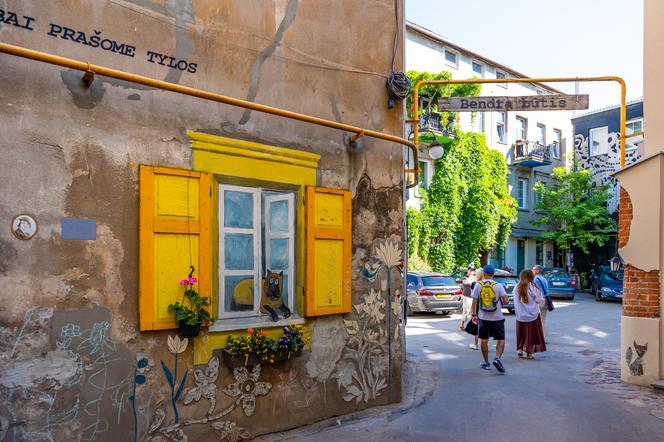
{"x": 328, "y": 265}
{"x": 174, "y": 231}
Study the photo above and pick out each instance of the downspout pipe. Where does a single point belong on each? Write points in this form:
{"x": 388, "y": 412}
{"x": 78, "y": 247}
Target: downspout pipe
{"x": 90, "y": 70}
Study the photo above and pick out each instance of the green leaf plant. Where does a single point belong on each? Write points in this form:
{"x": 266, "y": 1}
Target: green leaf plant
{"x": 194, "y": 311}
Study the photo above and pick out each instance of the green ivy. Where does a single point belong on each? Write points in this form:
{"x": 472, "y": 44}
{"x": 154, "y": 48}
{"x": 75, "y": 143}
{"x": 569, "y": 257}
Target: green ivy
{"x": 467, "y": 209}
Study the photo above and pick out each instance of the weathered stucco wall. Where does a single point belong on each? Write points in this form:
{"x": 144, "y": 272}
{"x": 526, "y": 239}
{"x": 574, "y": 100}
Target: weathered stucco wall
{"x": 69, "y": 339}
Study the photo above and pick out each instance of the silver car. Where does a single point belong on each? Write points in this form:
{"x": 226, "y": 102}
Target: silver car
{"x": 432, "y": 292}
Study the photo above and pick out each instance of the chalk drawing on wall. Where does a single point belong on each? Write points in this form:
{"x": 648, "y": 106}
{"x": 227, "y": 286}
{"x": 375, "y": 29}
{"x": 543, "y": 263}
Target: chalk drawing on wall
{"x": 636, "y": 365}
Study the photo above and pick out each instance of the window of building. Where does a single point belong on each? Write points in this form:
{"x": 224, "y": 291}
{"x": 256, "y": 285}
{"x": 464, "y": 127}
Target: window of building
{"x": 522, "y": 193}
{"x": 557, "y": 143}
{"x": 541, "y": 134}
{"x": 478, "y": 122}
{"x": 256, "y": 246}
{"x": 499, "y": 76}
{"x": 539, "y": 253}
{"x": 633, "y": 127}
{"x": 538, "y": 197}
{"x": 451, "y": 58}
{"x": 521, "y": 128}
{"x": 599, "y": 140}
{"x": 501, "y": 127}
{"x": 424, "y": 178}
{"x": 478, "y": 69}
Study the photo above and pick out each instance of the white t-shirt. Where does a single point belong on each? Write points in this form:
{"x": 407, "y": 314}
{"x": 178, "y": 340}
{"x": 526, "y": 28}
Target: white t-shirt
{"x": 496, "y": 315}
{"x": 528, "y": 312}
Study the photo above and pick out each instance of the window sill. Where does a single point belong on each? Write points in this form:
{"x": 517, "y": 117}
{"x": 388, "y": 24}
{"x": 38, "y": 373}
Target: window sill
{"x": 593, "y": 155}
{"x": 223, "y": 325}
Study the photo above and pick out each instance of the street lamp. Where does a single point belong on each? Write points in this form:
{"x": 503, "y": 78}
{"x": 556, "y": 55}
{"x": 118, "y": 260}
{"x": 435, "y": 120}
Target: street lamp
{"x": 436, "y": 150}
{"x": 615, "y": 263}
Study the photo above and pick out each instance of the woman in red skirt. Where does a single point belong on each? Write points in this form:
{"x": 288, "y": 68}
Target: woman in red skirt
{"x": 527, "y": 300}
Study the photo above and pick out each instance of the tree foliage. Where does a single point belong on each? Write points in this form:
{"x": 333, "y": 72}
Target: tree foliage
{"x": 468, "y": 207}
{"x": 576, "y": 208}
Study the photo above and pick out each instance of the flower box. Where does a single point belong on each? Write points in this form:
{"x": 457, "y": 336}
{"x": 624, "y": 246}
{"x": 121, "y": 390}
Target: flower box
{"x": 236, "y": 361}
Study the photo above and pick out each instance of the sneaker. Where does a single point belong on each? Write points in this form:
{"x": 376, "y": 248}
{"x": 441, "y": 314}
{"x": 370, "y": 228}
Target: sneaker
{"x": 499, "y": 365}
{"x": 485, "y": 365}
{"x": 472, "y": 346}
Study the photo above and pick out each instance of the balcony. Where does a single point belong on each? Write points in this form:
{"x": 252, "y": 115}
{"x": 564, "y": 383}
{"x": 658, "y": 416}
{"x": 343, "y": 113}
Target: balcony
{"x": 531, "y": 154}
{"x": 432, "y": 121}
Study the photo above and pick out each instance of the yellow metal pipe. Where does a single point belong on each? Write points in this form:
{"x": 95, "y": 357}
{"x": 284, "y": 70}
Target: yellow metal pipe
{"x": 623, "y": 95}
{"x": 159, "y": 84}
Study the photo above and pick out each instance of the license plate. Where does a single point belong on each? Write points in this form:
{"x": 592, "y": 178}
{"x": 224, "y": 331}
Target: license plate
{"x": 443, "y": 296}
{"x": 558, "y": 284}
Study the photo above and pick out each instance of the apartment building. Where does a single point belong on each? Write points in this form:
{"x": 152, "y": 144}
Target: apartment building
{"x": 533, "y": 142}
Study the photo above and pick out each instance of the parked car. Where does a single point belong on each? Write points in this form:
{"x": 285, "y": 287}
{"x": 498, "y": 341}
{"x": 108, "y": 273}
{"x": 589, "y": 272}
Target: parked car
{"x": 605, "y": 284}
{"x": 508, "y": 281}
{"x": 561, "y": 284}
{"x": 432, "y": 292}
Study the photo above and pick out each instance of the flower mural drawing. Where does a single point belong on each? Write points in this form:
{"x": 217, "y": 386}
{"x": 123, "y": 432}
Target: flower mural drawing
{"x": 246, "y": 387}
{"x": 206, "y": 386}
{"x": 230, "y": 431}
{"x": 365, "y": 368}
{"x": 175, "y": 346}
{"x": 361, "y": 370}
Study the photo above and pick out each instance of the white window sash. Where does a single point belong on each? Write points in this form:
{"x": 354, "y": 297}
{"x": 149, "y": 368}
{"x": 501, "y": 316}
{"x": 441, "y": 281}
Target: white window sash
{"x": 223, "y": 272}
{"x": 290, "y": 235}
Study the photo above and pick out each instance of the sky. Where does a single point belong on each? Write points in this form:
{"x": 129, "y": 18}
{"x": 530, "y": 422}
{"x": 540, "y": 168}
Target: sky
{"x": 552, "y": 38}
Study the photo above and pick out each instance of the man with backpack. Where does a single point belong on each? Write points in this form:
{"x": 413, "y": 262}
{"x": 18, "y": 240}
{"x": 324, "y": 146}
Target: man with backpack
{"x": 543, "y": 285}
{"x": 490, "y": 296}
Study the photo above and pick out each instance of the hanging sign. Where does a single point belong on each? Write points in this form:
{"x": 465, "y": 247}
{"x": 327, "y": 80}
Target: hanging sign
{"x": 502, "y": 104}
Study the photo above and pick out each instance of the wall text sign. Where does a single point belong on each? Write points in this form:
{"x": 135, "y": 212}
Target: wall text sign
{"x": 525, "y": 103}
{"x": 96, "y": 40}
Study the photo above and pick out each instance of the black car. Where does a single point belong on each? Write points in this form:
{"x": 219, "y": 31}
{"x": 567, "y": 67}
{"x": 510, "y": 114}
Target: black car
{"x": 605, "y": 284}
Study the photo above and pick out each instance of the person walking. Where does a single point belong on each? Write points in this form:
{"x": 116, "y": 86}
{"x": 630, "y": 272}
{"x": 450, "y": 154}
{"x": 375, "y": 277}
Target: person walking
{"x": 489, "y": 297}
{"x": 466, "y": 284}
{"x": 527, "y": 301}
{"x": 543, "y": 286}
{"x": 472, "y": 328}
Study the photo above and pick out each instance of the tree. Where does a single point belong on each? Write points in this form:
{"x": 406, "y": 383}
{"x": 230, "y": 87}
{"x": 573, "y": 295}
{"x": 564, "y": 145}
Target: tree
{"x": 576, "y": 208}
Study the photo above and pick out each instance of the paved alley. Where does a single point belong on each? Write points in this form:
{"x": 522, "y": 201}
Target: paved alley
{"x": 558, "y": 397}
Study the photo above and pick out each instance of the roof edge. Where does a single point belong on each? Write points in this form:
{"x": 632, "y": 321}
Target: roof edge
{"x": 439, "y": 38}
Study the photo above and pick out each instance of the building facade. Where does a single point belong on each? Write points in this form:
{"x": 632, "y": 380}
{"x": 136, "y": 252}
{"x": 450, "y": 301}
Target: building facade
{"x": 533, "y": 143}
{"x": 115, "y": 192}
{"x": 597, "y": 144}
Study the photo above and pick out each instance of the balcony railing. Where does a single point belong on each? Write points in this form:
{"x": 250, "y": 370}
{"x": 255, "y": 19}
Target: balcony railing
{"x": 432, "y": 121}
{"x": 531, "y": 154}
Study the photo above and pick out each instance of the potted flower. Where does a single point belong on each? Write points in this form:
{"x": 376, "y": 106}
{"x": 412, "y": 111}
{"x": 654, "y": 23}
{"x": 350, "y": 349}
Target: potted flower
{"x": 291, "y": 342}
{"x": 250, "y": 349}
{"x": 190, "y": 316}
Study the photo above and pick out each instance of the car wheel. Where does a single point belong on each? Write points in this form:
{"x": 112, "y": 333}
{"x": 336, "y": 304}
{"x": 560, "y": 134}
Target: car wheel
{"x": 571, "y": 298}
{"x": 445, "y": 312}
{"x": 598, "y": 298}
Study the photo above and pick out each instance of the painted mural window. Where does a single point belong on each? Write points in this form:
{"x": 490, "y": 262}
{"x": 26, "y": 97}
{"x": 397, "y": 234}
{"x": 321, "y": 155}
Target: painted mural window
{"x": 633, "y": 127}
{"x": 599, "y": 140}
{"x": 256, "y": 252}
{"x": 424, "y": 175}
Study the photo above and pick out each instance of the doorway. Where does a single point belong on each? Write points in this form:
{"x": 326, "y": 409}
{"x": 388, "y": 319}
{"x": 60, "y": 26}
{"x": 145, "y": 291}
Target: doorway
{"x": 520, "y": 255}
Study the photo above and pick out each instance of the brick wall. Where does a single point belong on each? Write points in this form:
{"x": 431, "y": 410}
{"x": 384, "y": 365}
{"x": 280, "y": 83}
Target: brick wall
{"x": 641, "y": 289}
